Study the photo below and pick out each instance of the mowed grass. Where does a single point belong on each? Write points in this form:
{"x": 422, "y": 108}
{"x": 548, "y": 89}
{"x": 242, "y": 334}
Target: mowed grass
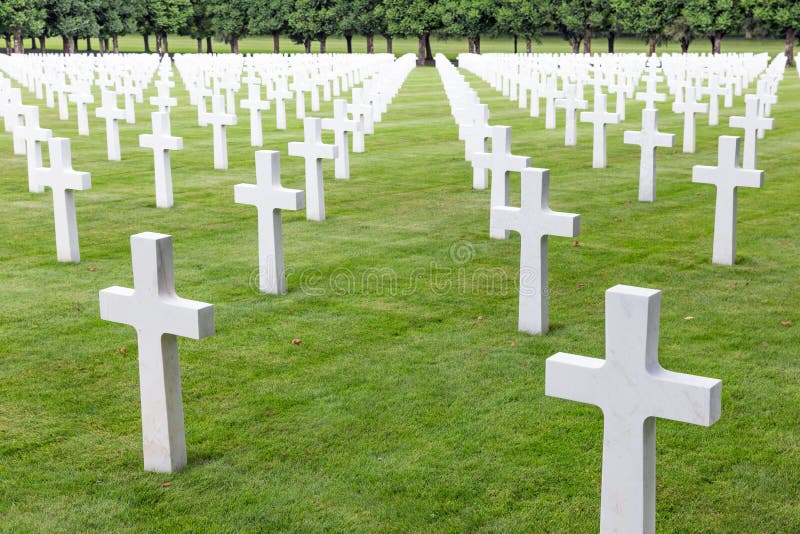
{"x": 412, "y": 403}
{"x": 450, "y": 47}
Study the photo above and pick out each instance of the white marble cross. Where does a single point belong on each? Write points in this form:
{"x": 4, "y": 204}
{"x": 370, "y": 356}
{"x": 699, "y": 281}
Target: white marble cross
{"x": 726, "y": 176}
{"x": 219, "y": 120}
{"x": 361, "y": 109}
{"x": 648, "y": 138}
{"x": 82, "y": 98}
{"x": 269, "y": 197}
{"x": 33, "y": 135}
{"x": 571, "y": 103}
{"x": 254, "y": 103}
{"x": 551, "y": 93}
{"x": 689, "y": 107}
{"x": 112, "y": 114}
{"x": 159, "y": 316}
{"x": 314, "y": 151}
{"x": 752, "y": 122}
{"x": 599, "y": 117}
{"x": 341, "y": 126}
{"x": 651, "y": 95}
{"x": 632, "y": 389}
{"x": 280, "y": 94}
{"x": 161, "y": 141}
{"x": 534, "y": 221}
{"x": 63, "y": 181}
{"x": 162, "y": 99}
{"x": 476, "y": 136}
{"x": 500, "y": 162}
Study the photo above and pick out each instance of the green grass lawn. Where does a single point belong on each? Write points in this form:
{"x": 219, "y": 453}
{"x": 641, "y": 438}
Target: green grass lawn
{"x": 450, "y": 47}
{"x": 412, "y": 404}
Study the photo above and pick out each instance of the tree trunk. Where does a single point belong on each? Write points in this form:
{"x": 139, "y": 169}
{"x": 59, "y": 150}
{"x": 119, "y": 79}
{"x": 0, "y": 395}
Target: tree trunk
{"x": 470, "y": 45}
{"x": 209, "y": 48}
{"x": 158, "y": 44}
{"x": 685, "y": 45}
{"x": 165, "y": 42}
{"x": 8, "y": 44}
{"x": 323, "y": 45}
{"x": 100, "y": 45}
{"x": 370, "y": 43}
{"x": 612, "y": 38}
{"x": 106, "y": 43}
{"x": 43, "y": 43}
{"x": 88, "y": 44}
{"x": 428, "y": 50}
{"x": 146, "y": 43}
{"x": 477, "y": 41}
{"x": 790, "y": 33}
{"x": 19, "y": 42}
{"x": 349, "y": 39}
{"x": 652, "y": 45}
{"x": 199, "y": 45}
{"x": 516, "y": 45}
{"x": 276, "y": 42}
{"x": 388, "y": 44}
{"x": 64, "y": 43}
{"x": 33, "y": 43}
{"x": 717, "y": 42}
{"x": 711, "y": 39}
{"x": 76, "y": 45}
{"x": 307, "y": 45}
{"x": 234, "y": 45}
{"x": 115, "y": 41}
{"x": 587, "y": 41}
{"x": 575, "y": 41}
{"x": 421, "y": 50}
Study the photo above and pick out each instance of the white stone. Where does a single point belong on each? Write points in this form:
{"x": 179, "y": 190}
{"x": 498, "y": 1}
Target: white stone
{"x": 476, "y": 136}
{"x": 82, "y": 99}
{"x": 63, "y": 181}
{"x": 632, "y": 389}
{"x": 727, "y": 176}
{"x": 599, "y": 117}
{"x": 161, "y": 141}
{"x": 313, "y": 150}
{"x": 159, "y": 316}
{"x": 219, "y": 120}
{"x": 651, "y": 95}
{"x": 571, "y": 103}
{"x": 648, "y": 138}
{"x": 280, "y": 95}
{"x": 752, "y": 123}
{"x": 689, "y": 107}
{"x": 500, "y": 162}
{"x": 112, "y": 114}
{"x": 534, "y": 221}
{"x": 269, "y": 197}
{"x": 341, "y": 126}
{"x": 551, "y": 93}
{"x": 256, "y": 106}
{"x": 32, "y": 135}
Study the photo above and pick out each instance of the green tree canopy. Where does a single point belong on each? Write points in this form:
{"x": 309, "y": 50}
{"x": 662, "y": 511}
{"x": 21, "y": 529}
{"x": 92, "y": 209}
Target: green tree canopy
{"x": 713, "y": 19}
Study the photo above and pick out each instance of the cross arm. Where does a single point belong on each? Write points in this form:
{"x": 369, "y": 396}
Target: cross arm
{"x": 572, "y": 377}
{"x": 562, "y": 224}
{"x": 691, "y": 399}
{"x": 705, "y": 174}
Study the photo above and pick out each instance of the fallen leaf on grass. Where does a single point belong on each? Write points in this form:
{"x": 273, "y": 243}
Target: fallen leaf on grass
{"x": 513, "y": 343}
{"x": 688, "y": 318}
{"x": 763, "y": 344}
{"x": 576, "y": 244}
{"x": 296, "y": 341}
{"x": 786, "y": 323}
{"x": 123, "y": 350}
{"x": 581, "y": 285}
{"x": 166, "y": 484}
{"x": 93, "y": 269}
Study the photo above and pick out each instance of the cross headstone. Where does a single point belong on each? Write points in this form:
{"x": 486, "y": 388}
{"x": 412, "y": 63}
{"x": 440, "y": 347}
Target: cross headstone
{"x": 500, "y": 162}
{"x": 161, "y": 141}
{"x": 476, "y": 136}
{"x": 280, "y": 95}
{"x": 341, "y": 126}
{"x": 727, "y": 176}
{"x": 269, "y": 197}
{"x": 219, "y": 120}
{"x": 163, "y": 99}
{"x": 33, "y": 135}
{"x": 689, "y": 107}
{"x": 256, "y": 105}
{"x": 159, "y": 316}
{"x": 651, "y": 95}
{"x": 82, "y": 98}
{"x": 313, "y": 150}
{"x": 752, "y": 122}
{"x": 112, "y": 114}
{"x": 534, "y": 221}
{"x": 599, "y": 117}
{"x": 648, "y": 138}
{"x": 63, "y": 181}
{"x": 570, "y": 103}
{"x": 632, "y": 389}
{"x": 551, "y": 93}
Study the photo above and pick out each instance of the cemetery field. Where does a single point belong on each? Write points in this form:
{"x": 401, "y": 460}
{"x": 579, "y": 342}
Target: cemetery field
{"x": 411, "y": 403}
{"x": 450, "y": 47}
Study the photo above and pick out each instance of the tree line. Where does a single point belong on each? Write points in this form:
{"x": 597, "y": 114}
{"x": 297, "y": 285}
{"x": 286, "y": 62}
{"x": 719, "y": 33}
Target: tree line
{"x": 309, "y": 21}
